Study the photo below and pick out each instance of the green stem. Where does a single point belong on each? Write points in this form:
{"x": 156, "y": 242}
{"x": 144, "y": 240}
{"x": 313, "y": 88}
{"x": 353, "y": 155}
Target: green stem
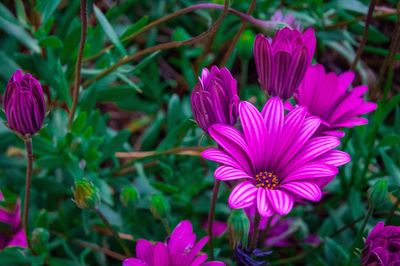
{"x": 166, "y": 226}
{"x": 211, "y": 216}
{"x": 113, "y": 232}
{"x": 25, "y": 214}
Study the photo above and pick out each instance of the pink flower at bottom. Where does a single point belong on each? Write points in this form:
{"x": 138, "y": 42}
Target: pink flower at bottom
{"x": 180, "y": 249}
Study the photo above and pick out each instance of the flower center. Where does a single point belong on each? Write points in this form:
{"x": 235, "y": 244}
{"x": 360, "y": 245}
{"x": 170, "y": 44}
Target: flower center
{"x": 267, "y": 180}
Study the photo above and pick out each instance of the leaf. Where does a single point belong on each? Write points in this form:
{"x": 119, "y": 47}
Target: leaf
{"x": 51, "y": 42}
{"x": 174, "y": 113}
{"x": 109, "y": 30}
{"x": 175, "y": 137}
{"x": 133, "y": 29}
{"x": 47, "y": 8}
{"x": 334, "y": 253}
{"x": 21, "y": 14}
{"x": 20, "y": 34}
{"x": 79, "y": 123}
{"x": 115, "y": 144}
{"x": 7, "y": 66}
{"x": 391, "y": 167}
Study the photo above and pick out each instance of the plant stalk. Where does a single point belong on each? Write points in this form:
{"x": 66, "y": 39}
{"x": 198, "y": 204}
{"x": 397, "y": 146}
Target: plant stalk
{"x": 211, "y": 216}
{"x": 28, "y": 178}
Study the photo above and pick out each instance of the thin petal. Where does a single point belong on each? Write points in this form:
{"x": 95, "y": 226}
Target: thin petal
{"x": 335, "y": 158}
{"x": 280, "y": 200}
{"x": 263, "y": 60}
{"x": 161, "y": 256}
{"x": 307, "y": 190}
{"x": 221, "y": 157}
{"x": 134, "y": 262}
{"x": 243, "y": 195}
{"x": 310, "y": 171}
{"x": 144, "y": 250}
{"x": 264, "y": 207}
{"x": 229, "y": 173}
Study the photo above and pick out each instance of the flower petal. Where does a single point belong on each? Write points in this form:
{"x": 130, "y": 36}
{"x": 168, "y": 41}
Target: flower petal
{"x": 264, "y": 207}
{"x": 221, "y": 157}
{"x": 229, "y": 173}
{"x": 161, "y": 256}
{"x": 280, "y": 200}
{"x": 134, "y": 262}
{"x": 243, "y": 195}
{"x": 310, "y": 171}
{"x": 144, "y": 250}
{"x": 334, "y": 157}
{"x": 263, "y": 59}
{"x": 307, "y": 190}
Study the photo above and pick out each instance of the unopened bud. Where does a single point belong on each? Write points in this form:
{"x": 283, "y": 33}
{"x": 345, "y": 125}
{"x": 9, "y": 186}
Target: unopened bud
{"x": 159, "y": 206}
{"x": 129, "y": 195}
{"x": 86, "y": 195}
{"x": 238, "y": 228}
{"x": 378, "y": 192}
{"x": 40, "y": 239}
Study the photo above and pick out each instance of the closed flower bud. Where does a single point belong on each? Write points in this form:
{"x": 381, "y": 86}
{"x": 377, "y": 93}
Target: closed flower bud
{"x": 129, "y": 195}
{"x": 86, "y": 195}
{"x": 159, "y": 206}
{"x": 281, "y": 62}
{"x": 378, "y": 192}
{"x": 24, "y": 104}
{"x": 214, "y": 99}
{"x": 238, "y": 228}
{"x": 40, "y": 239}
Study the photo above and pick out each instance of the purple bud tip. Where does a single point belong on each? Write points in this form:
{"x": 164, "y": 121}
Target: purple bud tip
{"x": 24, "y": 103}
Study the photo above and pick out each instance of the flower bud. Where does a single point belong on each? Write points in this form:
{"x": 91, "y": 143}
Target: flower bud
{"x": 40, "y": 239}
{"x": 24, "y": 104}
{"x": 378, "y": 192}
{"x": 214, "y": 99}
{"x": 159, "y": 206}
{"x": 129, "y": 195}
{"x": 238, "y": 228}
{"x": 86, "y": 195}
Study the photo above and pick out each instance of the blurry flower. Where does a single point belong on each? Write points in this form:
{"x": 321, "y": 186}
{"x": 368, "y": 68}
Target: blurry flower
{"x": 86, "y": 194}
{"x": 214, "y": 99}
{"x": 159, "y": 206}
{"x": 11, "y": 218}
{"x": 282, "y": 61}
{"x": 249, "y": 257}
{"x": 289, "y": 19}
{"x": 180, "y": 249}
{"x": 218, "y": 228}
{"x": 239, "y": 228}
{"x": 24, "y": 104}
{"x": 382, "y": 247}
{"x": 275, "y": 158}
{"x": 325, "y": 95}
{"x": 129, "y": 195}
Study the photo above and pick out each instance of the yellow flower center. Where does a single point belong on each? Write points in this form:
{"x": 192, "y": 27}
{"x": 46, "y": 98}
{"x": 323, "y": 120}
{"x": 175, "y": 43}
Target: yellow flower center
{"x": 267, "y": 180}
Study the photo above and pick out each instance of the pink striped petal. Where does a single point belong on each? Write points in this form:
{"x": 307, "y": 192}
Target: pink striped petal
{"x": 221, "y": 157}
{"x": 280, "y": 200}
{"x": 254, "y": 132}
{"x": 199, "y": 260}
{"x": 305, "y": 190}
{"x": 134, "y": 262}
{"x": 334, "y": 157}
{"x": 144, "y": 250}
{"x": 198, "y": 246}
{"x": 243, "y": 195}
{"x": 229, "y": 173}
{"x": 263, "y": 59}
{"x": 161, "y": 256}
{"x": 311, "y": 170}
{"x": 264, "y": 207}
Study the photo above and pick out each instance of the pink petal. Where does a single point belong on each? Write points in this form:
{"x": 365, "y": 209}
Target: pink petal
{"x": 161, "y": 256}
{"x": 229, "y": 173}
{"x": 281, "y": 201}
{"x": 334, "y": 157}
{"x": 305, "y": 190}
{"x": 243, "y": 195}
{"x": 199, "y": 260}
{"x": 134, "y": 262}
{"x": 221, "y": 157}
{"x": 310, "y": 42}
{"x": 263, "y": 59}
{"x": 254, "y": 132}
{"x": 310, "y": 171}
{"x": 264, "y": 207}
{"x": 214, "y": 263}
{"x": 198, "y": 246}
{"x": 144, "y": 250}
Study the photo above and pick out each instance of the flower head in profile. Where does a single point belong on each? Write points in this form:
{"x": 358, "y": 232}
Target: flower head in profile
{"x": 180, "y": 249}
{"x": 214, "y": 99}
{"x": 12, "y": 234}
{"x": 282, "y": 61}
{"x": 274, "y": 157}
{"x": 24, "y": 104}
{"x": 382, "y": 247}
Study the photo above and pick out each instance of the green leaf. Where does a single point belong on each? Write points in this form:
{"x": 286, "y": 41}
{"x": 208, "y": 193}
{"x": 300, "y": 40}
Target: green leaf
{"x": 51, "y": 42}
{"x": 7, "y": 66}
{"x": 109, "y": 30}
{"x": 378, "y": 193}
{"x": 334, "y": 253}
{"x": 391, "y": 167}
{"x": 175, "y": 137}
{"x": 174, "y": 113}
{"x": 79, "y": 123}
{"x": 47, "y": 8}
{"x": 133, "y": 29}
{"x": 20, "y": 34}
{"x": 115, "y": 144}
{"x": 21, "y": 14}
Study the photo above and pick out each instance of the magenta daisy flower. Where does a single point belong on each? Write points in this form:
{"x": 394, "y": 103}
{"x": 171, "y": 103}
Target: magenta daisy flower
{"x": 274, "y": 157}
{"x": 326, "y": 95}
{"x": 180, "y": 249}
{"x": 214, "y": 99}
{"x": 282, "y": 61}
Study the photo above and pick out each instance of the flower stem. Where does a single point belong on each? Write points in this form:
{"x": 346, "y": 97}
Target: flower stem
{"x": 211, "y": 217}
{"x": 166, "y": 225}
{"x": 75, "y": 92}
{"x": 25, "y": 214}
{"x": 256, "y": 231}
{"x": 264, "y": 233}
{"x": 113, "y": 232}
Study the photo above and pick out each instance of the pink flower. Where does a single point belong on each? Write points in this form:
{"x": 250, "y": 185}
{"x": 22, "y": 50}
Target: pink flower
{"x": 218, "y": 228}
{"x": 274, "y": 157}
{"x": 326, "y": 95}
{"x": 282, "y": 62}
{"x": 15, "y": 236}
{"x": 180, "y": 249}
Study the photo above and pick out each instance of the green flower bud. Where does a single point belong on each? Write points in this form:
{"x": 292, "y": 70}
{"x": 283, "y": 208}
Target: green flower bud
{"x": 245, "y": 44}
{"x": 378, "y": 193}
{"x": 39, "y": 240}
{"x": 86, "y": 195}
{"x": 238, "y": 228}
{"x": 129, "y": 195}
{"x": 159, "y": 206}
